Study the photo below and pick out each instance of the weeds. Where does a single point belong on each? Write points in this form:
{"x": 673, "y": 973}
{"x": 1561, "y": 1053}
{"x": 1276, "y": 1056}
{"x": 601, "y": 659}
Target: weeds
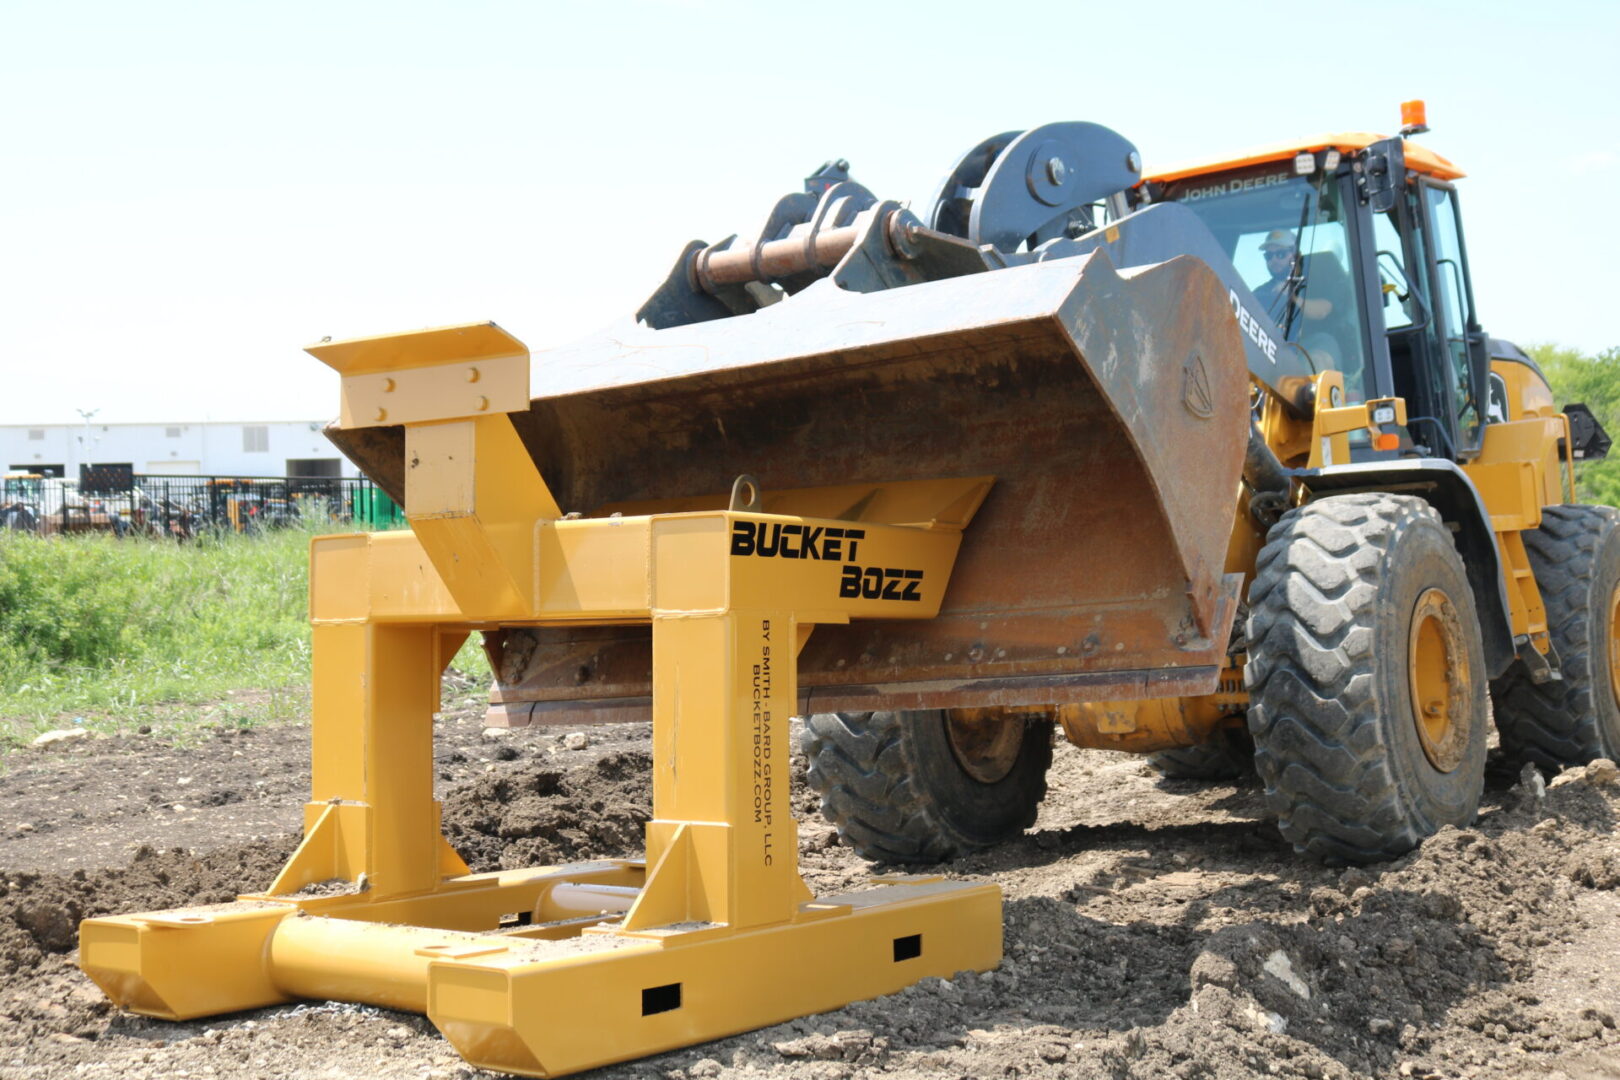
{"x": 119, "y": 634}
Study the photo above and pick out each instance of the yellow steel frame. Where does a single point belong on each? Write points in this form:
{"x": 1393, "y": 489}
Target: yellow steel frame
{"x": 553, "y": 970}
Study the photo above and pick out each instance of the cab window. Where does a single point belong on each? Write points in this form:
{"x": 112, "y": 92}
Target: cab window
{"x": 1402, "y": 304}
{"x": 1287, "y": 238}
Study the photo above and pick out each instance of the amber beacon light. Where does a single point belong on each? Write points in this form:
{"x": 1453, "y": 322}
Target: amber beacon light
{"x": 1414, "y": 118}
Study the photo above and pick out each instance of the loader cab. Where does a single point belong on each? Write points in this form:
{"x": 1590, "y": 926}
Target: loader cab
{"x": 1354, "y": 246}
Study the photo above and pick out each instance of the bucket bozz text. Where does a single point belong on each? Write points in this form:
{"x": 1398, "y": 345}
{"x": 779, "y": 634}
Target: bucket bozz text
{"x": 773, "y": 540}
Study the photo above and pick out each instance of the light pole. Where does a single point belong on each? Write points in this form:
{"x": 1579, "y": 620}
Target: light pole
{"x": 84, "y": 440}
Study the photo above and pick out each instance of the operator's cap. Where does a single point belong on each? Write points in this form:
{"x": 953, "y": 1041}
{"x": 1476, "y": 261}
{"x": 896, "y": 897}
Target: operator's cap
{"x": 1278, "y": 238}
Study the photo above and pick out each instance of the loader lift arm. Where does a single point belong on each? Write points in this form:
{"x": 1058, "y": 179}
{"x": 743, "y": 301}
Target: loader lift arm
{"x": 1015, "y": 198}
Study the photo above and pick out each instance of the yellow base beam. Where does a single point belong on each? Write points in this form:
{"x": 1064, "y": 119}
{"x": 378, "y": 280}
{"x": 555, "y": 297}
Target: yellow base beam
{"x": 544, "y": 999}
{"x": 547, "y": 1017}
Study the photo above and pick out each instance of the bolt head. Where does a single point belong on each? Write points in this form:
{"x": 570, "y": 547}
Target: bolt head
{"x": 1056, "y": 171}
{"x": 1133, "y": 161}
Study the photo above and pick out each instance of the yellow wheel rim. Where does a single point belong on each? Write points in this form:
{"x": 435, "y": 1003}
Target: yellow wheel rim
{"x": 1437, "y": 673}
{"x": 1614, "y": 645}
{"x": 985, "y": 741}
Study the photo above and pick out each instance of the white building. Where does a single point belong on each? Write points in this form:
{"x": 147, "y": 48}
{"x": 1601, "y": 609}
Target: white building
{"x": 279, "y": 448}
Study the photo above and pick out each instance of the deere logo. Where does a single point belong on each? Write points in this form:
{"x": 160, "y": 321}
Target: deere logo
{"x": 1195, "y": 388}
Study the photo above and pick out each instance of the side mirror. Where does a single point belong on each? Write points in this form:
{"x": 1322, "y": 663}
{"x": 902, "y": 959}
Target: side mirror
{"x": 1382, "y": 174}
{"x": 1591, "y": 441}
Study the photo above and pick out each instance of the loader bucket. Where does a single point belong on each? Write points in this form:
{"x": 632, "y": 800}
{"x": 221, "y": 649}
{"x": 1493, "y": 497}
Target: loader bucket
{"x": 1110, "y": 408}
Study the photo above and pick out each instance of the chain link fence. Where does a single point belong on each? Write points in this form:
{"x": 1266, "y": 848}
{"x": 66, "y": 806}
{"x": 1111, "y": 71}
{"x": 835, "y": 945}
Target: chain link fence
{"x": 181, "y": 507}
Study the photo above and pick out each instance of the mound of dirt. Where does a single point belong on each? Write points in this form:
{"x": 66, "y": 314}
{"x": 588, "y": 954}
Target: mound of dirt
{"x": 40, "y": 913}
{"x": 45, "y": 996}
{"x": 90, "y": 803}
{"x": 540, "y": 814}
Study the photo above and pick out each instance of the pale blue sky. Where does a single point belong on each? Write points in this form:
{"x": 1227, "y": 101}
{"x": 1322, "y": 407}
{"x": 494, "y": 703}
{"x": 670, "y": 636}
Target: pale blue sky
{"x": 191, "y": 192}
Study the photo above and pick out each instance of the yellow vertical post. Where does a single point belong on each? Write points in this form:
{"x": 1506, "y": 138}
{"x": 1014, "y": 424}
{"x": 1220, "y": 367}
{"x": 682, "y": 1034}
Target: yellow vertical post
{"x": 398, "y": 722}
{"x": 337, "y": 745}
{"x": 722, "y": 846}
{"x": 375, "y": 688}
{"x": 721, "y": 806}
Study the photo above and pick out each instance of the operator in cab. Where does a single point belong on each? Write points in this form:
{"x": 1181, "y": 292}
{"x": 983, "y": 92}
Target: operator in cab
{"x": 1284, "y": 287}
{"x": 1307, "y": 297}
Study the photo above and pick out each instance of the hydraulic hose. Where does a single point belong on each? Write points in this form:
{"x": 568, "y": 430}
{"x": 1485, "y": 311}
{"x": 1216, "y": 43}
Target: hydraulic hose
{"x": 1266, "y": 478}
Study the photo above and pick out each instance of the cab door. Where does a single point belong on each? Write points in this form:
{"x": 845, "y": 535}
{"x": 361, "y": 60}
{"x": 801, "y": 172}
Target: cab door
{"x": 1456, "y": 338}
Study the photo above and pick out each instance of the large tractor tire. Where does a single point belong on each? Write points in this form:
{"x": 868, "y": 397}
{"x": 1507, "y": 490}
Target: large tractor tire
{"x": 1366, "y": 678}
{"x": 923, "y": 787}
{"x": 1576, "y": 558}
{"x": 1228, "y": 755}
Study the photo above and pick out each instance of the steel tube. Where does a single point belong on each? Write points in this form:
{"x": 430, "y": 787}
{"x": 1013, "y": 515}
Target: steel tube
{"x": 773, "y": 259}
{"x": 573, "y": 900}
{"x": 344, "y": 960}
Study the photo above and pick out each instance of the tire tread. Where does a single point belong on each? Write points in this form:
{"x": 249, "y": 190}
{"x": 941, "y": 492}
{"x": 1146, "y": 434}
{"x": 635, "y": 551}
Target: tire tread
{"x": 861, "y": 765}
{"x": 1312, "y": 680}
{"x": 1556, "y": 723}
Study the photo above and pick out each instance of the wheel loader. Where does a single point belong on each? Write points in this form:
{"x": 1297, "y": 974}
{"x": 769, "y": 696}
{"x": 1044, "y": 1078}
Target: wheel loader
{"x": 1212, "y": 463}
{"x": 1377, "y": 421}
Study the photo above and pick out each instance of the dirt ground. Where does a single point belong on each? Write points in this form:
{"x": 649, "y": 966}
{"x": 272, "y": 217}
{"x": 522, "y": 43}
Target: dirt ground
{"x": 1153, "y": 928}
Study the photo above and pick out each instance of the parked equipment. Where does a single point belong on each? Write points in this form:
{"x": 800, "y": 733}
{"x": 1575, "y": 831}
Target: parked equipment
{"x": 1062, "y": 452}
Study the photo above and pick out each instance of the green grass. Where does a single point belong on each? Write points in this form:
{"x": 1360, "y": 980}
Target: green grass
{"x": 116, "y": 634}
